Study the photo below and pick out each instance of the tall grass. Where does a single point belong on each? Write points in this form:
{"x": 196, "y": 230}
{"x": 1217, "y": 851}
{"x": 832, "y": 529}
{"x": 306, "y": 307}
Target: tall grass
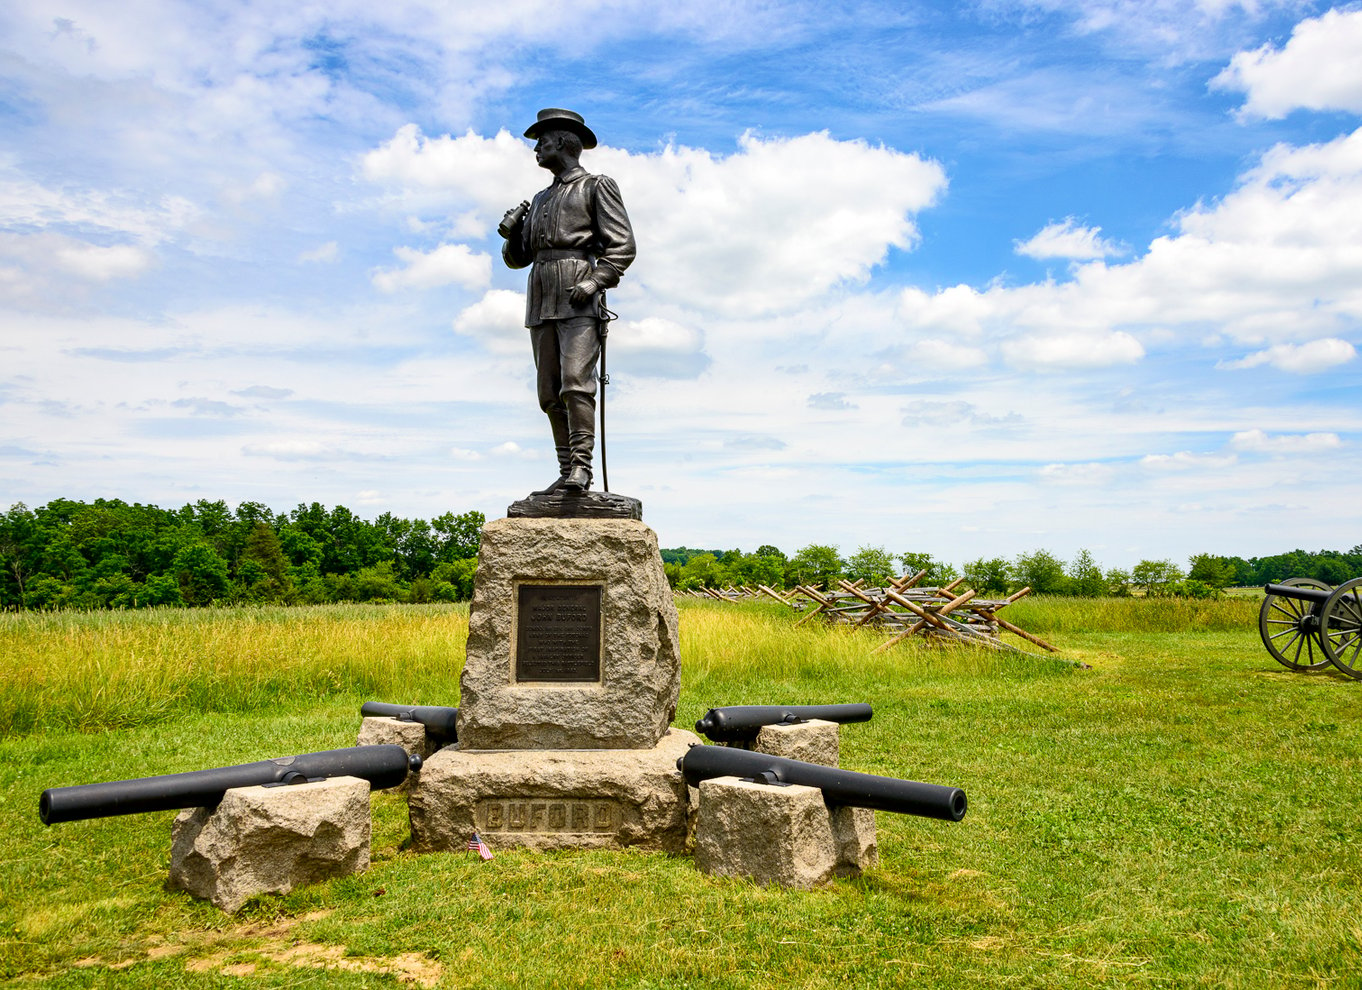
{"x": 1042, "y": 614}
{"x": 100, "y": 670}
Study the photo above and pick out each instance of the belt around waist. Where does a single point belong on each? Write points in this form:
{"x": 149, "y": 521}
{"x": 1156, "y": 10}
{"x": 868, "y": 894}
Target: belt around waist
{"x": 561, "y": 254}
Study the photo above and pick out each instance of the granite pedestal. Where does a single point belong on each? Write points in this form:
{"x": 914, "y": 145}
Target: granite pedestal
{"x": 566, "y": 698}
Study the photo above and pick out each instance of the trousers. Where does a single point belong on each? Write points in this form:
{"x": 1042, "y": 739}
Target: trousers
{"x": 565, "y": 357}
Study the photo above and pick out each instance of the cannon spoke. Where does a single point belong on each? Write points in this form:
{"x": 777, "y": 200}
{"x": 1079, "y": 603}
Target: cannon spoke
{"x": 1288, "y": 627}
{"x": 1340, "y": 623}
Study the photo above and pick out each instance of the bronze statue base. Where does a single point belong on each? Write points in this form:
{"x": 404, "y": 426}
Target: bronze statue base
{"x": 562, "y": 504}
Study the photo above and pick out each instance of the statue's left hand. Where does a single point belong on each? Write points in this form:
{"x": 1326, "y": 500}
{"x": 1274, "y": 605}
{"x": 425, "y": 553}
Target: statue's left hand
{"x": 582, "y": 291}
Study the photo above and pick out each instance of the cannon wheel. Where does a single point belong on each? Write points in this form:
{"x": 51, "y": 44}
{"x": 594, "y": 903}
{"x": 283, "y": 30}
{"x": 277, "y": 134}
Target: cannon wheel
{"x": 1340, "y": 623}
{"x": 1281, "y": 623}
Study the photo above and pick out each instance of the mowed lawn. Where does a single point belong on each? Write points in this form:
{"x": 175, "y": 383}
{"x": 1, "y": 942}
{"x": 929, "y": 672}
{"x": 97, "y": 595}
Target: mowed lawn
{"x": 1183, "y": 813}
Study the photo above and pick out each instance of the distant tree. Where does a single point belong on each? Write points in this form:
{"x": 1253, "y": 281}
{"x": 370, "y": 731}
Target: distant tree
{"x": 766, "y": 550}
{"x": 754, "y": 569}
{"x": 1085, "y": 576}
{"x": 703, "y": 571}
{"x": 262, "y": 571}
{"x": 458, "y": 536}
{"x": 453, "y": 579}
{"x": 815, "y": 564}
{"x": 1118, "y": 582}
{"x": 873, "y": 565}
{"x": 1041, "y": 571}
{"x": 201, "y": 573}
{"x": 1155, "y": 577}
{"x": 937, "y": 572}
{"x": 1216, "y": 572}
{"x": 987, "y": 575}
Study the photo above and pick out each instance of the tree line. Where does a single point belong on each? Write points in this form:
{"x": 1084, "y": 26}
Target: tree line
{"x": 1205, "y": 575}
{"x": 109, "y": 554}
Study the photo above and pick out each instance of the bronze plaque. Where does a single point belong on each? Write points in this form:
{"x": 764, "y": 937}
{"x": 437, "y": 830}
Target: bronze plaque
{"x": 558, "y": 633}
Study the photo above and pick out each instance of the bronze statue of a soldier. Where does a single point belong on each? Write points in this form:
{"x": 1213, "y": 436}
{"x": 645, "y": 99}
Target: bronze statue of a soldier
{"x": 576, "y": 236}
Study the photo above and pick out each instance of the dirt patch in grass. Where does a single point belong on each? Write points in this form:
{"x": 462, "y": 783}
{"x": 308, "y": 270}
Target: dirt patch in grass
{"x": 408, "y": 967}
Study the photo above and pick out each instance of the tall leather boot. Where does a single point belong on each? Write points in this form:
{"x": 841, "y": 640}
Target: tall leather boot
{"x": 581, "y": 422}
{"x": 558, "y": 422}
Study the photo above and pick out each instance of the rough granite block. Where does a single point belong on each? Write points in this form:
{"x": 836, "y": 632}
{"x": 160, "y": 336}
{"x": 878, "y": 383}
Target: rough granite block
{"x": 263, "y": 840}
{"x": 616, "y": 612}
{"x": 780, "y": 835}
{"x": 814, "y": 741}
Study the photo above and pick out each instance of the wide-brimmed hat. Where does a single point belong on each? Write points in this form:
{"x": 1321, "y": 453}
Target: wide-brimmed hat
{"x": 557, "y": 119}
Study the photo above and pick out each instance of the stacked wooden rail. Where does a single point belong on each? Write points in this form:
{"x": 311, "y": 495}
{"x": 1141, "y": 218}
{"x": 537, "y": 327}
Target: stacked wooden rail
{"x": 902, "y": 609}
{"x": 733, "y": 593}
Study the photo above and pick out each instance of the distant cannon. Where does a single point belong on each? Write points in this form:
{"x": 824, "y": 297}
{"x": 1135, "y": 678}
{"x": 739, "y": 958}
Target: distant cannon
{"x": 1307, "y": 625}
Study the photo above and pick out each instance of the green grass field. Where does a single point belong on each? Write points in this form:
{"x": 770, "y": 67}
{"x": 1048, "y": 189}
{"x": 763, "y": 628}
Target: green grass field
{"x": 1184, "y": 813}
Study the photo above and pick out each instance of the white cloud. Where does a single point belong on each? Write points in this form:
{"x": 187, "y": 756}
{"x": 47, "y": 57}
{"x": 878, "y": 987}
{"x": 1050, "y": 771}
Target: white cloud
{"x": 1300, "y": 359}
{"x": 1068, "y": 240}
{"x": 330, "y": 251}
{"x": 958, "y": 309}
{"x": 291, "y": 450}
{"x": 658, "y": 348}
{"x": 448, "y": 264}
{"x": 464, "y": 454}
{"x": 26, "y": 205}
{"x": 774, "y": 225}
{"x": 1284, "y": 443}
{"x": 1277, "y": 261}
{"x": 1072, "y": 350}
{"x": 738, "y": 234}
{"x": 498, "y": 321}
{"x": 511, "y": 449}
{"x": 1319, "y": 68}
{"x": 103, "y": 263}
{"x": 472, "y": 170}
{"x": 952, "y": 413}
{"x": 933, "y": 355}
{"x": 1185, "y": 460}
{"x": 1077, "y": 474}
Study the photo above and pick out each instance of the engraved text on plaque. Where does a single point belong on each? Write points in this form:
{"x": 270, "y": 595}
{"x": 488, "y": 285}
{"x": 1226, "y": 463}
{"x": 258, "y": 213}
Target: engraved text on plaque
{"x": 558, "y": 633}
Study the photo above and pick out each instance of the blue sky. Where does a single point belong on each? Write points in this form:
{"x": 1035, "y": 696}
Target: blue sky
{"x": 968, "y": 279}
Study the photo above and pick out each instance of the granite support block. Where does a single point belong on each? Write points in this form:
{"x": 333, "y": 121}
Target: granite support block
{"x": 268, "y": 840}
{"x": 553, "y": 799}
{"x": 780, "y": 835}
{"x": 814, "y": 741}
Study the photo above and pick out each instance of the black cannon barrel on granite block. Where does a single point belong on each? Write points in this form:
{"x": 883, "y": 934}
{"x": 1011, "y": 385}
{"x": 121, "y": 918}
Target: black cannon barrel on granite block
{"x": 381, "y": 766}
{"x": 839, "y": 787}
{"x": 441, "y": 722}
{"x": 741, "y": 723}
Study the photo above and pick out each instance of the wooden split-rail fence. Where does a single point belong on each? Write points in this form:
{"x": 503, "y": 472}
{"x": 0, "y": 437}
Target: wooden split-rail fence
{"x": 900, "y": 608}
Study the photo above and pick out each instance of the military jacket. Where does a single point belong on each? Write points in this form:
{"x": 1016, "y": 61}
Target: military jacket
{"x": 576, "y": 228}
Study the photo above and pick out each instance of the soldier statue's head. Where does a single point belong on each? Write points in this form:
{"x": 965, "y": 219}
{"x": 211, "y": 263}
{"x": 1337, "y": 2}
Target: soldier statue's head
{"x": 560, "y": 138}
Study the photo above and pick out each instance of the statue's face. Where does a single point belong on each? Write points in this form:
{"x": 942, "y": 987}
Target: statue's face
{"x": 548, "y": 151}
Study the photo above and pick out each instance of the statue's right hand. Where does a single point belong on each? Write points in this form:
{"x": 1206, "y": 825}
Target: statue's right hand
{"x": 512, "y": 218}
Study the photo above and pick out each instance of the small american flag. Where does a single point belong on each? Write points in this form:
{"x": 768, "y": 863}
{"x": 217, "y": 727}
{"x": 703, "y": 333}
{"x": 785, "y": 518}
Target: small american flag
{"x": 476, "y": 845}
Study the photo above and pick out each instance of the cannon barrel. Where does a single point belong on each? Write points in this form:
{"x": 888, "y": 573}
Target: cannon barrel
{"x": 381, "y": 766}
{"x": 740, "y": 723}
{"x": 440, "y": 722}
{"x": 1300, "y": 593}
{"x": 839, "y": 787}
